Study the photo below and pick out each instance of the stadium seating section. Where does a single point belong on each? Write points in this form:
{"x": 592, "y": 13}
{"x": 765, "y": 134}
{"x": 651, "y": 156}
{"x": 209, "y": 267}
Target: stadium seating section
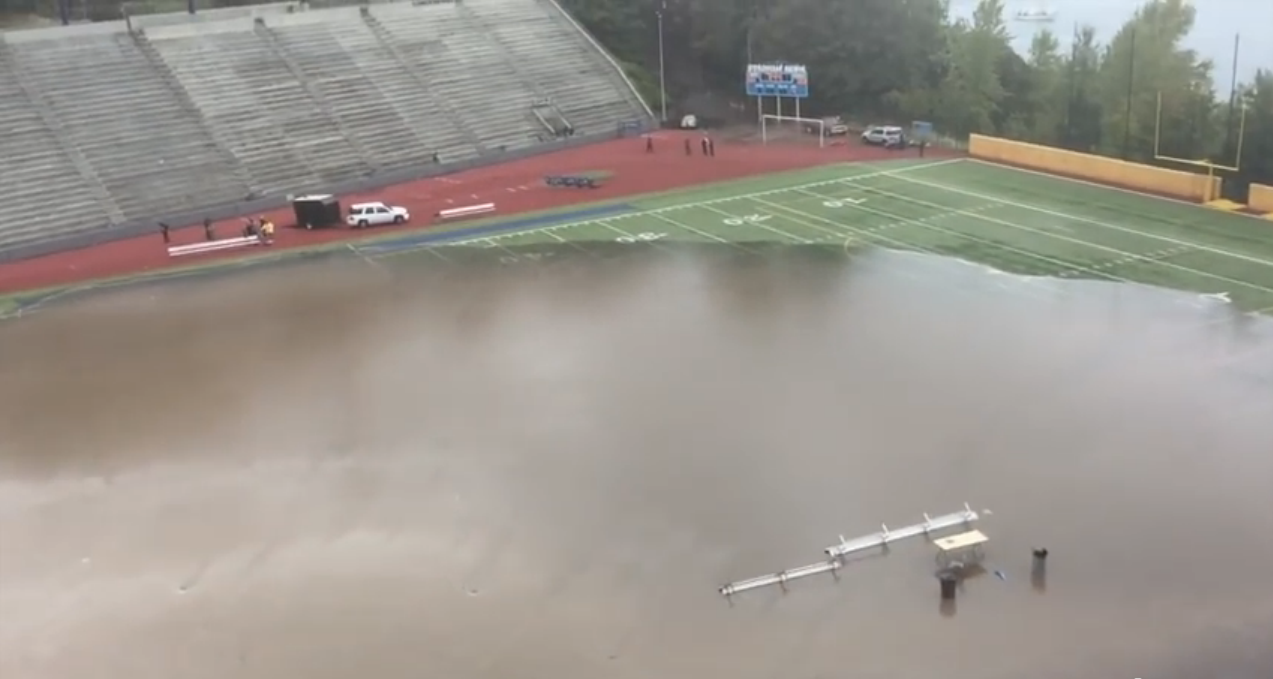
{"x": 102, "y": 126}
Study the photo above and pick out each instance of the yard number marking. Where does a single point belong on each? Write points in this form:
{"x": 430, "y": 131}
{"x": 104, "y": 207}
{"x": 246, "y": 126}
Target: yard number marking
{"x": 747, "y": 219}
{"x": 529, "y": 256}
{"x": 843, "y": 202}
{"x": 644, "y": 237}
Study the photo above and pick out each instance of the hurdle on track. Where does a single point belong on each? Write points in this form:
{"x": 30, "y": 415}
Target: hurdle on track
{"x": 836, "y": 554}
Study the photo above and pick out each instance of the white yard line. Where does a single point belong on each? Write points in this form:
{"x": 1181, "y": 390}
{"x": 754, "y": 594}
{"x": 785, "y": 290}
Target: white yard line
{"x": 1060, "y": 264}
{"x": 371, "y": 261}
{"x": 760, "y": 225}
{"x": 1068, "y": 239}
{"x": 1113, "y": 263}
{"x": 570, "y": 243}
{"x": 1105, "y": 187}
{"x": 490, "y": 243}
{"x": 866, "y": 233}
{"x": 694, "y": 204}
{"x": 624, "y": 233}
{"x": 1086, "y": 220}
{"x": 704, "y": 234}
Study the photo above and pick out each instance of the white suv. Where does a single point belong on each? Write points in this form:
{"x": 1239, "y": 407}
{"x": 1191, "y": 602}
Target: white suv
{"x": 362, "y": 215}
{"x": 883, "y": 135}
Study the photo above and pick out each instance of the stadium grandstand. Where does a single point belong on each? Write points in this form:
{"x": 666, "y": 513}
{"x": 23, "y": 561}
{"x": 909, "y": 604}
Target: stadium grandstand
{"x": 109, "y": 127}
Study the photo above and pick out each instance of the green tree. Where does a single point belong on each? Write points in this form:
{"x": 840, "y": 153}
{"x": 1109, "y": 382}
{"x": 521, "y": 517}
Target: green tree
{"x": 1048, "y": 94}
{"x": 973, "y": 93}
{"x": 860, "y": 53}
{"x": 1144, "y": 63}
{"x": 1254, "y": 122}
{"x": 1083, "y": 111}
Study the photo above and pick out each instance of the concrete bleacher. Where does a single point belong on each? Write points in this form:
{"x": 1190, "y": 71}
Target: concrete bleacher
{"x": 561, "y": 60}
{"x": 125, "y": 123}
{"x": 226, "y": 69}
{"x": 468, "y": 72}
{"x": 389, "y": 113}
{"x": 44, "y": 190}
{"x": 151, "y": 152}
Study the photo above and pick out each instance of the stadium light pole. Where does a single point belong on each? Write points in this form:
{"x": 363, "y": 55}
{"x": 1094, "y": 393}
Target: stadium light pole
{"x": 662, "y": 76}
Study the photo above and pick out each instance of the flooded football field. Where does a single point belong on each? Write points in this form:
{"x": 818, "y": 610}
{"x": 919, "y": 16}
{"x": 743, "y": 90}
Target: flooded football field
{"x": 547, "y": 470}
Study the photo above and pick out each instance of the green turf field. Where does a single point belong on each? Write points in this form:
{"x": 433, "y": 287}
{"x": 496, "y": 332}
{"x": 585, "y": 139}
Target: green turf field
{"x": 1015, "y": 221}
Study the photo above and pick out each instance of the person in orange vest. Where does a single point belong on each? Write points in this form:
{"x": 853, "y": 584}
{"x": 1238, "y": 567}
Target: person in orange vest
{"x": 267, "y": 231}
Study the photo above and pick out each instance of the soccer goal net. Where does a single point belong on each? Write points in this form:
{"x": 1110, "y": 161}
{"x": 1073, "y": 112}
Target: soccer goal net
{"x": 771, "y": 125}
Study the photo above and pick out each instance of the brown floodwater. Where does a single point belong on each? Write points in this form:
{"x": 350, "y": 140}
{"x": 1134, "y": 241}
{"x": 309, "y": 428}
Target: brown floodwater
{"x": 546, "y": 471}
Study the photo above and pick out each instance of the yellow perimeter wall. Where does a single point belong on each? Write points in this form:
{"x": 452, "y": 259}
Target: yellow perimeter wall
{"x": 1261, "y": 198}
{"x": 1186, "y": 185}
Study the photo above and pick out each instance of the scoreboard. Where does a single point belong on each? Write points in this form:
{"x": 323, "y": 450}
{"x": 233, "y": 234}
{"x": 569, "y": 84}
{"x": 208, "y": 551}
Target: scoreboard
{"x": 777, "y": 80}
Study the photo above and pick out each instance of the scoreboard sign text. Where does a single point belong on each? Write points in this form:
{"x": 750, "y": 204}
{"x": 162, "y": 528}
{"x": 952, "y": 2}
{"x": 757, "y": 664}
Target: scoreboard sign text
{"x": 777, "y": 80}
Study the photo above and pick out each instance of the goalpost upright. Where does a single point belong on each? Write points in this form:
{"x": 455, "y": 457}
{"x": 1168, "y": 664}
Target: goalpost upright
{"x": 806, "y": 123}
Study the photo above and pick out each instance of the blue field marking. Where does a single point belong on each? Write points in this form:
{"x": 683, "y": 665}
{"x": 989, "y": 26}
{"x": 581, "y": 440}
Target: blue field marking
{"x": 415, "y": 241}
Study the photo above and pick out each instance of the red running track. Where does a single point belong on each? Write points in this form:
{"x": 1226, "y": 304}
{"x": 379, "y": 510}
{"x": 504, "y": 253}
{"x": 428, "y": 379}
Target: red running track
{"x": 514, "y": 187}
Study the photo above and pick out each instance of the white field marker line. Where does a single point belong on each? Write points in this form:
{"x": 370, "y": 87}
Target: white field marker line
{"x": 1076, "y": 241}
{"x": 1060, "y": 264}
{"x": 360, "y": 255}
{"x": 1105, "y": 187}
{"x": 1085, "y": 220}
{"x": 1025, "y": 285}
{"x": 704, "y": 234}
{"x": 694, "y": 204}
{"x": 1031, "y": 285}
{"x": 854, "y": 232}
{"x": 848, "y": 238}
{"x": 761, "y": 225}
{"x": 624, "y": 233}
{"x": 897, "y": 244}
{"x": 1157, "y": 256}
{"x": 570, "y": 244}
{"x": 490, "y": 243}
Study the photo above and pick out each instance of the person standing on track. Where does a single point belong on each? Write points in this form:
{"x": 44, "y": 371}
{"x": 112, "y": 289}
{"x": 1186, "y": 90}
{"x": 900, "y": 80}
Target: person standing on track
{"x": 649, "y": 144}
{"x": 704, "y": 143}
{"x": 689, "y": 148}
{"x": 209, "y": 233}
{"x": 163, "y": 231}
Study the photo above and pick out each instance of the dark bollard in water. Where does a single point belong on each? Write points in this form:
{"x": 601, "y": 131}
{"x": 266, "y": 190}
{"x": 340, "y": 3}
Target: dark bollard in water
{"x": 949, "y": 586}
{"x": 1038, "y": 570}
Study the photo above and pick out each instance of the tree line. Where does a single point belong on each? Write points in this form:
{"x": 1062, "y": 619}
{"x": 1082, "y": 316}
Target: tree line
{"x": 905, "y": 60}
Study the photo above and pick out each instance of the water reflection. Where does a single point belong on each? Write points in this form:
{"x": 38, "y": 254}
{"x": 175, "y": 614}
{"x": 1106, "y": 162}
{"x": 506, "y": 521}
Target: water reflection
{"x": 547, "y": 470}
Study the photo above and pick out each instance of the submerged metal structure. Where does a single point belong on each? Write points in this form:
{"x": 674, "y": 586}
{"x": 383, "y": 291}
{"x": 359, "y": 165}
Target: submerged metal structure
{"x": 838, "y": 554}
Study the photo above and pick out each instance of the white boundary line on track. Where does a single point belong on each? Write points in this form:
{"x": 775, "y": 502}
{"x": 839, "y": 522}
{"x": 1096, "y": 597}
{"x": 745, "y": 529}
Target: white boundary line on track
{"x": 1106, "y": 187}
{"x": 1093, "y": 222}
